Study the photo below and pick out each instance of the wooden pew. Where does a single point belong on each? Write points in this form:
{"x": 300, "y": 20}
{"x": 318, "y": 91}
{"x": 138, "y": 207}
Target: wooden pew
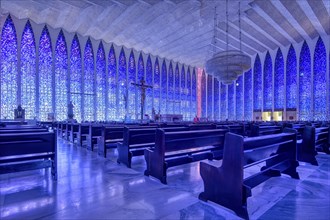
{"x": 226, "y": 186}
{"x": 73, "y": 132}
{"x": 259, "y": 130}
{"x": 95, "y": 131}
{"x": 136, "y": 140}
{"x": 313, "y": 139}
{"x": 177, "y": 148}
{"x": 83, "y": 132}
{"x": 32, "y": 130}
{"x": 233, "y": 128}
{"x": 109, "y": 138}
{"x": 26, "y": 151}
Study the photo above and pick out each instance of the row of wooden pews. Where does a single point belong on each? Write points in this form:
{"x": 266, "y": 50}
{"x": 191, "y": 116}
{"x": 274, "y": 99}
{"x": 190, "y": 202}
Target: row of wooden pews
{"x": 26, "y": 147}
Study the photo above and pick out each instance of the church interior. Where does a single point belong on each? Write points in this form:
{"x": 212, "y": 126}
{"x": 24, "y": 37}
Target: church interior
{"x": 165, "y": 109}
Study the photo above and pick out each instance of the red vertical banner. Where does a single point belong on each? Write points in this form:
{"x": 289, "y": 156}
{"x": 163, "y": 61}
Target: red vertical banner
{"x": 199, "y": 92}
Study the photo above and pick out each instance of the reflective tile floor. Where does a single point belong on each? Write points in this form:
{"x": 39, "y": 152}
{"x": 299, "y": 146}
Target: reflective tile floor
{"x": 91, "y": 187}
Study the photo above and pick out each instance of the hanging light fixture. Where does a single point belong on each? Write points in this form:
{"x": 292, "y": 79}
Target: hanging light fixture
{"x": 228, "y": 65}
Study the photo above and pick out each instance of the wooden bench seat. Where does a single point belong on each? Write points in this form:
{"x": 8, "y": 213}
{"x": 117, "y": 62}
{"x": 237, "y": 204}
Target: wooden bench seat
{"x": 26, "y": 151}
{"x": 170, "y": 149}
{"x": 226, "y": 185}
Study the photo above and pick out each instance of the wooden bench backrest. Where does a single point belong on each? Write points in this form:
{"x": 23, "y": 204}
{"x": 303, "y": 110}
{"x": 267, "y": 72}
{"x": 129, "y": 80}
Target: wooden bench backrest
{"x": 258, "y": 130}
{"x": 202, "y": 126}
{"x": 23, "y": 130}
{"x": 27, "y": 143}
{"x": 182, "y": 140}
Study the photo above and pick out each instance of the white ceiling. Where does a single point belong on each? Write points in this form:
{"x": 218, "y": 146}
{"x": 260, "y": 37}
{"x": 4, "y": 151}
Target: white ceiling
{"x": 182, "y": 30}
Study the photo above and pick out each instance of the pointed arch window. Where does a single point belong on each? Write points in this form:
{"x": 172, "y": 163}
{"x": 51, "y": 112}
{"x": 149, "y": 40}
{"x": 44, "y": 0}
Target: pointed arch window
{"x": 76, "y": 77}
{"x": 177, "y": 109}
{"x": 131, "y": 88}
{"x": 209, "y": 97}
{"x": 89, "y": 82}
{"x": 216, "y": 104}
{"x": 183, "y": 95}
{"x": 45, "y": 75}
{"x": 190, "y": 115}
{"x": 140, "y": 75}
{"x": 112, "y": 85}
{"x": 223, "y": 102}
{"x": 203, "y": 94}
{"x": 170, "y": 98}
{"x": 320, "y": 81}
{"x": 257, "y": 85}
{"x": 193, "y": 109}
{"x": 8, "y": 70}
{"x": 291, "y": 80}
{"x": 248, "y": 95}
{"x": 122, "y": 86}
{"x": 156, "y": 86}
{"x": 268, "y": 84}
{"x": 239, "y": 98}
{"x": 28, "y": 72}
{"x": 163, "y": 106}
{"x": 61, "y": 78}
{"x": 305, "y": 86}
{"x": 231, "y": 102}
{"x": 149, "y": 98}
{"x": 279, "y": 81}
{"x": 100, "y": 83}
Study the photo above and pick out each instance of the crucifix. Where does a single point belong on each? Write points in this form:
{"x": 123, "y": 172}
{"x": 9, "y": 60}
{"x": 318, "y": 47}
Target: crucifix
{"x": 143, "y": 88}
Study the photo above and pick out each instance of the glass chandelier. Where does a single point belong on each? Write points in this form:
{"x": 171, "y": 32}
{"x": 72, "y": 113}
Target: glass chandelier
{"x": 228, "y": 65}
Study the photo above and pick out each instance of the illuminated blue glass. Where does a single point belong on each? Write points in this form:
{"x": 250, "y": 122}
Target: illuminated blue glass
{"x": 61, "y": 78}
{"x": 190, "y": 114}
{"x": 101, "y": 82}
{"x": 76, "y": 77}
{"x": 203, "y": 95}
{"x": 257, "y": 85}
{"x": 183, "y": 95}
{"x": 209, "y": 97}
{"x": 112, "y": 85}
{"x": 8, "y": 70}
{"x": 122, "y": 90}
{"x": 148, "y": 101}
{"x": 268, "y": 83}
{"x": 248, "y": 95}
{"x": 176, "y": 99}
{"x": 216, "y": 104}
{"x": 231, "y": 102}
{"x": 156, "y": 86}
{"x": 28, "y": 72}
{"x": 140, "y": 76}
{"x": 170, "y": 95}
{"x": 45, "y": 75}
{"x": 320, "y": 81}
{"x": 132, "y": 90}
{"x": 193, "y": 94}
{"x": 89, "y": 82}
{"x": 279, "y": 81}
{"x": 291, "y": 80}
{"x": 239, "y": 98}
{"x": 305, "y": 86}
{"x": 223, "y": 102}
{"x": 163, "y": 106}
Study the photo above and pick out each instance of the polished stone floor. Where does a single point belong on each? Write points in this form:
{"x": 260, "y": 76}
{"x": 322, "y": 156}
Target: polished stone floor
{"x": 91, "y": 187}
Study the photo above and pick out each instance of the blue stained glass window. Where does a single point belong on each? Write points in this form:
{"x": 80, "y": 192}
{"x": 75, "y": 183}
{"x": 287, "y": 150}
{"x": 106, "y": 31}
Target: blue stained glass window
{"x": 257, "y": 85}
{"x": 203, "y": 95}
{"x": 100, "y": 83}
{"x": 248, "y": 95}
{"x": 223, "y": 102}
{"x": 121, "y": 85}
{"x": 28, "y": 72}
{"x": 140, "y": 76}
{"x": 89, "y": 82}
{"x": 231, "y": 102}
{"x": 132, "y": 90}
{"x": 320, "y": 81}
{"x": 170, "y": 95}
{"x": 193, "y": 109}
{"x": 76, "y": 77}
{"x": 149, "y": 99}
{"x": 190, "y": 114}
{"x": 183, "y": 95}
{"x": 209, "y": 97}
{"x": 279, "y": 81}
{"x": 216, "y": 104}
{"x": 112, "y": 85}
{"x": 177, "y": 103}
{"x": 8, "y": 70}
{"x": 156, "y": 86}
{"x": 305, "y": 86}
{"x": 291, "y": 79}
{"x": 268, "y": 83}
{"x": 45, "y": 75}
{"x": 61, "y": 78}
{"x": 163, "y": 106}
{"x": 239, "y": 98}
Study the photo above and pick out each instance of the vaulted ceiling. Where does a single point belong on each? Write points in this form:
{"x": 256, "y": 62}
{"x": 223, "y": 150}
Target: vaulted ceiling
{"x": 183, "y": 30}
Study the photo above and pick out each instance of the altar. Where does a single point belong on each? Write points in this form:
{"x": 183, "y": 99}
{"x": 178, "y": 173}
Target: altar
{"x": 171, "y": 117}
